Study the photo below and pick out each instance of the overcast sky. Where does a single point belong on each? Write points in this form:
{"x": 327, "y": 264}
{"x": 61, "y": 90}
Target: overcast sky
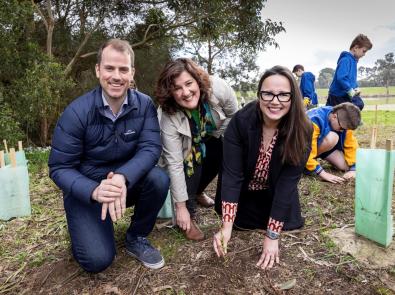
{"x": 318, "y": 30}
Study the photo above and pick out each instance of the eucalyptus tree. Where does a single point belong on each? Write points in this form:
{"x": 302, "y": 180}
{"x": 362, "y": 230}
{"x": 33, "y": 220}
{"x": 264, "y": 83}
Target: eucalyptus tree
{"x": 325, "y": 77}
{"x": 386, "y": 70}
{"x": 232, "y": 30}
{"x": 381, "y": 74}
{"x": 42, "y": 39}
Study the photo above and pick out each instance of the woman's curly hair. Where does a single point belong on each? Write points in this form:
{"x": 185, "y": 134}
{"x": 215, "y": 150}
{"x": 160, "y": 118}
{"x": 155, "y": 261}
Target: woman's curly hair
{"x": 171, "y": 71}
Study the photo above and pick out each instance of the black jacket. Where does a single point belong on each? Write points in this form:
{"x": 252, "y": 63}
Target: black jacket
{"x": 241, "y": 148}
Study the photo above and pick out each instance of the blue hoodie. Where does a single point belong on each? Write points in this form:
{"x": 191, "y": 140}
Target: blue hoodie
{"x": 307, "y": 87}
{"x": 345, "y": 77}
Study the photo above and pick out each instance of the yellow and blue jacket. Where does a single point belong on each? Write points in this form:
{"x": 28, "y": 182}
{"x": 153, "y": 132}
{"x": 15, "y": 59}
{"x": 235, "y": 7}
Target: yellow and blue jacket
{"x": 321, "y": 125}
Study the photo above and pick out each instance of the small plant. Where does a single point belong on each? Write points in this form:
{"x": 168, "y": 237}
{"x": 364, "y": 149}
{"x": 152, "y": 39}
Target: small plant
{"x": 384, "y": 291}
{"x": 309, "y": 273}
{"x": 391, "y": 271}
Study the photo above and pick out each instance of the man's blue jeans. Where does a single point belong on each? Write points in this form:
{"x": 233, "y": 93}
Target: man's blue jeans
{"x": 92, "y": 239}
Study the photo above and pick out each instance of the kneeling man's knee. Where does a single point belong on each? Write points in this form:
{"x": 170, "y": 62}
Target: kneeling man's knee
{"x": 96, "y": 261}
{"x": 158, "y": 180}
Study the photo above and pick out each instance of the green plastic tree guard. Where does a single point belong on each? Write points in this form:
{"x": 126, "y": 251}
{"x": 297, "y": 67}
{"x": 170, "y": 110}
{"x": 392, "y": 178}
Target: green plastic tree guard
{"x": 373, "y": 194}
{"x": 14, "y": 188}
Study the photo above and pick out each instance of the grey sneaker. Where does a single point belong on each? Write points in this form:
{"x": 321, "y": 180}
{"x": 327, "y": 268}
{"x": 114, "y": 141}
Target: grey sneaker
{"x": 141, "y": 249}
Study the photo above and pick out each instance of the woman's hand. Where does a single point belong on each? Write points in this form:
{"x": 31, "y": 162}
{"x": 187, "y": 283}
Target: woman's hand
{"x": 349, "y": 174}
{"x": 221, "y": 239}
{"x": 270, "y": 254}
{"x": 183, "y": 217}
{"x": 331, "y": 178}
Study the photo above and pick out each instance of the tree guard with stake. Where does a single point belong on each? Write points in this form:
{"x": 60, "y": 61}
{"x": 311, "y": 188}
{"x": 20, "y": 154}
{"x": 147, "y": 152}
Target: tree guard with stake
{"x": 373, "y": 194}
{"x": 14, "y": 184}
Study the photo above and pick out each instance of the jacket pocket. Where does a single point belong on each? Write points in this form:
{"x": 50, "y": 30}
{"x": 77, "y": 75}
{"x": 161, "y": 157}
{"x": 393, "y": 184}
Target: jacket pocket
{"x": 129, "y": 135}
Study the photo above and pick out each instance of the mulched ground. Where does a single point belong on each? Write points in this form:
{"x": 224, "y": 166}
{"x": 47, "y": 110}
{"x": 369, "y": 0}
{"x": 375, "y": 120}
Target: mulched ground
{"x": 36, "y": 258}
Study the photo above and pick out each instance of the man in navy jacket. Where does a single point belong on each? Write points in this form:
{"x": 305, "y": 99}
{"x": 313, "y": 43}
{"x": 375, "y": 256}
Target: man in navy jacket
{"x": 104, "y": 152}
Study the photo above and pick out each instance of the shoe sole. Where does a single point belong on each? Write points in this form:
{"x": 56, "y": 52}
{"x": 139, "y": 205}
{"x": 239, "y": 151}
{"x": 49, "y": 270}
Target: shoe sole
{"x": 157, "y": 265}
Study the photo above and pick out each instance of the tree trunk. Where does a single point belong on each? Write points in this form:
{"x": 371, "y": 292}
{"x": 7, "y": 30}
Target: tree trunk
{"x": 50, "y": 28}
{"x": 44, "y": 131}
{"x": 210, "y": 59}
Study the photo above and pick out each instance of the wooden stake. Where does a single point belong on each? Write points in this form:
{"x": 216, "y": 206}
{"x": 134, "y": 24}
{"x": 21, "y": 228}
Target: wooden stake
{"x": 375, "y": 115}
{"x": 374, "y": 138}
{"x": 12, "y": 157}
{"x": 388, "y": 145}
{"x": 20, "y": 148}
{"x": 5, "y": 145}
{"x": 2, "y": 161}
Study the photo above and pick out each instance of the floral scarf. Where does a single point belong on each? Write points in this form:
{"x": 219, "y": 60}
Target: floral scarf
{"x": 202, "y": 125}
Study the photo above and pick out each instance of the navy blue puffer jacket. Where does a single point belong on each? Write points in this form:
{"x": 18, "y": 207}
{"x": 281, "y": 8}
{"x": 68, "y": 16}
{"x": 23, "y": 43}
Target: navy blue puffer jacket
{"x": 86, "y": 145}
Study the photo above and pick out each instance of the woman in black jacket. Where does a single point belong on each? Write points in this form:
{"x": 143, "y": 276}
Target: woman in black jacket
{"x": 266, "y": 146}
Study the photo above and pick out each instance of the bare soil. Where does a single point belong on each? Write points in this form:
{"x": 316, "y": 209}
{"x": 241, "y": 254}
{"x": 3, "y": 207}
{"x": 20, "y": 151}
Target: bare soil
{"x": 36, "y": 258}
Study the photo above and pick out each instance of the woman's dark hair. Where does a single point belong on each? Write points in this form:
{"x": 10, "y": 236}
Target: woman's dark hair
{"x": 171, "y": 71}
{"x": 295, "y": 128}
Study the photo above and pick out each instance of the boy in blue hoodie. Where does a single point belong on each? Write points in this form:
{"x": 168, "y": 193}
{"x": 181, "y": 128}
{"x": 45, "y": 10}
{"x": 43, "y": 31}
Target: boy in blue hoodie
{"x": 307, "y": 88}
{"x": 344, "y": 87}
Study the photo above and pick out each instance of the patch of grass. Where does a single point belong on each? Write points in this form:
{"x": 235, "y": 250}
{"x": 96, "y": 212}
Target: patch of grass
{"x": 328, "y": 243}
{"x": 369, "y": 91}
{"x": 37, "y": 159}
{"x": 391, "y": 271}
{"x": 383, "y": 117}
{"x": 309, "y": 274}
{"x": 314, "y": 186}
{"x": 379, "y": 101}
{"x": 38, "y": 259}
{"x": 169, "y": 250}
{"x": 384, "y": 291}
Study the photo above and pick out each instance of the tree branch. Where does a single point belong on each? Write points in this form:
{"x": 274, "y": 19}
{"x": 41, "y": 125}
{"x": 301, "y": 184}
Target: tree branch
{"x": 145, "y": 39}
{"x": 50, "y": 28}
{"x": 88, "y": 35}
{"x": 41, "y": 14}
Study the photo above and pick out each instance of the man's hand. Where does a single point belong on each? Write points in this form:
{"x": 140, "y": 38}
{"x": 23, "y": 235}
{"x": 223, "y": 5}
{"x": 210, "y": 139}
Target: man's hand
{"x": 117, "y": 207}
{"x": 331, "y": 178}
{"x": 106, "y": 191}
{"x": 270, "y": 254}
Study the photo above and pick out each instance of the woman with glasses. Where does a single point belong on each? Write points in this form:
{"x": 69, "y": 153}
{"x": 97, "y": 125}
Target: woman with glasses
{"x": 195, "y": 109}
{"x": 334, "y": 140}
{"x": 266, "y": 146}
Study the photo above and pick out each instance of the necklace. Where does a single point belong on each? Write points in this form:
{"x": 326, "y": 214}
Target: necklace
{"x": 267, "y": 136}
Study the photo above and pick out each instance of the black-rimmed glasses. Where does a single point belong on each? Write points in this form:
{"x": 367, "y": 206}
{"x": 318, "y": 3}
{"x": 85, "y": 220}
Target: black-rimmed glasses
{"x": 269, "y": 96}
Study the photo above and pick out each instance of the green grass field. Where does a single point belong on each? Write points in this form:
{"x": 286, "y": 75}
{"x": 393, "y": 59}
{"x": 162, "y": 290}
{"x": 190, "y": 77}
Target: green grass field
{"x": 365, "y": 91}
{"x": 323, "y": 92}
{"x": 386, "y": 118}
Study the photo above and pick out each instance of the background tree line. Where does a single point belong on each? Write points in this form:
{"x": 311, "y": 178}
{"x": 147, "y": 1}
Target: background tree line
{"x": 48, "y": 49}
